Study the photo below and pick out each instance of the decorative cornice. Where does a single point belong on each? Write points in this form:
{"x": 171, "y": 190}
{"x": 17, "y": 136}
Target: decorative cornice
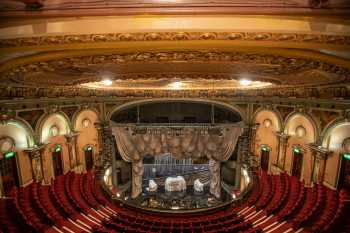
{"x": 176, "y": 36}
{"x": 273, "y": 65}
{"x": 328, "y": 92}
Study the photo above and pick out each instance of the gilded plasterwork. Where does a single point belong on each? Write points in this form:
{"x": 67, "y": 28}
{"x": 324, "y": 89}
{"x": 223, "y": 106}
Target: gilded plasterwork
{"x": 176, "y": 36}
{"x": 183, "y": 65}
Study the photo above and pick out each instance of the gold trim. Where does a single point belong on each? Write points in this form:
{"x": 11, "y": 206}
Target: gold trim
{"x": 59, "y": 40}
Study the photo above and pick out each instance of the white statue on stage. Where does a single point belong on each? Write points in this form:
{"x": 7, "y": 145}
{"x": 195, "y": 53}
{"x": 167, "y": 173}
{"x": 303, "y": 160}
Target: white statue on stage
{"x": 198, "y": 185}
{"x": 152, "y": 186}
{"x": 174, "y": 184}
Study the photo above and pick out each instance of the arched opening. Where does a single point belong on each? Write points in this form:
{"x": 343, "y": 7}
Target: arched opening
{"x": 57, "y": 160}
{"x": 87, "y": 142}
{"x": 177, "y": 149}
{"x": 89, "y": 161}
{"x": 296, "y": 157}
{"x": 54, "y": 125}
{"x": 266, "y": 141}
{"x": 15, "y": 136}
{"x": 336, "y": 168}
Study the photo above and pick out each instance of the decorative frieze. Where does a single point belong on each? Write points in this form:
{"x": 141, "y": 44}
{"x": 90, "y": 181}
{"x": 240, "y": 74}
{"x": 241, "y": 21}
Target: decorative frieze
{"x": 177, "y": 36}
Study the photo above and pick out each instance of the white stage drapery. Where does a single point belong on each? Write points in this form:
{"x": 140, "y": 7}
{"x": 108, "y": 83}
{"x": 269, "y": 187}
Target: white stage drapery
{"x": 191, "y": 143}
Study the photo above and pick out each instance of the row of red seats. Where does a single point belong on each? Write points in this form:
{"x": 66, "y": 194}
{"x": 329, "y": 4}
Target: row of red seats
{"x": 268, "y": 184}
{"x": 35, "y": 215}
{"x": 329, "y": 214}
{"x": 77, "y": 203}
{"x": 316, "y": 209}
{"x": 11, "y": 220}
{"x": 292, "y": 202}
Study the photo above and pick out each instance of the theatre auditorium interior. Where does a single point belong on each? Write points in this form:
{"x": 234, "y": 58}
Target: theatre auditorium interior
{"x": 174, "y": 116}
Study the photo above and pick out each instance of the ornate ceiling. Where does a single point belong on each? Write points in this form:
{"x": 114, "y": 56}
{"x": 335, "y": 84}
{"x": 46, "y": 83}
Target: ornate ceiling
{"x": 200, "y": 69}
{"x": 287, "y": 55}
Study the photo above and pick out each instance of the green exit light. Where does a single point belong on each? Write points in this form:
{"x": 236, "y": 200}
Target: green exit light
{"x": 265, "y": 148}
{"x": 10, "y": 154}
{"x": 89, "y": 148}
{"x": 58, "y": 148}
{"x": 346, "y": 156}
{"x": 296, "y": 150}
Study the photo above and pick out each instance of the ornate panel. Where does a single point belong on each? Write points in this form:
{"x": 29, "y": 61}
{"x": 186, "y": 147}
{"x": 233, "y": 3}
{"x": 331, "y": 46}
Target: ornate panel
{"x": 70, "y": 110}
{"x": 324, "y": 117}
{"x": 31, "y": 116}
{"x": 285, "y": 111}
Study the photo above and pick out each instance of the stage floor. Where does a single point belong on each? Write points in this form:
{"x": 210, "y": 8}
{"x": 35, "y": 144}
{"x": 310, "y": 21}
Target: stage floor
{"x": 179, "y": 200}
{"x": 188, "y": 200}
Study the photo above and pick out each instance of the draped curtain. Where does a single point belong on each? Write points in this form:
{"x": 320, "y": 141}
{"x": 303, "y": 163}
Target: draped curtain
{"x": 191, "y": 142}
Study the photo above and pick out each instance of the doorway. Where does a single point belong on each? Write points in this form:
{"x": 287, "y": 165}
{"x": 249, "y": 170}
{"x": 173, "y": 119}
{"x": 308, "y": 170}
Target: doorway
{"x": 57, "y": 160}
{"x": 89, "y": 162}
{"x": 9, "y": 172}
{"x": 264, "y": 158}
{"x": 344, "y": 176}
{"x": 297, "y": 162}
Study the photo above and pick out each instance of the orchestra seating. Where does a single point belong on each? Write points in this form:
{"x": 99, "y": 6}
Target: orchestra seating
{"x": 77, "y": 203}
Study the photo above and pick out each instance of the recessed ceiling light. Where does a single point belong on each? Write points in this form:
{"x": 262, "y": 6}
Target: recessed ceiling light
{"x": 176, "y": 85}
{"x": 107, "y": 82}
{"x": 245, "y": 82}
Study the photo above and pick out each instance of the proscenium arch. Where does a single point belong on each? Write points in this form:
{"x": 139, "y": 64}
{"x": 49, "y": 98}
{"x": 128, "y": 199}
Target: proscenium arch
{"x": 44, "y": 118}
{"x": 278, "y": 116}
{"x": 230, "y": 107}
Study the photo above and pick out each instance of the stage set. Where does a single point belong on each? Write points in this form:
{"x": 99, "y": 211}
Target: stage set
{"x": 175, "y": 167}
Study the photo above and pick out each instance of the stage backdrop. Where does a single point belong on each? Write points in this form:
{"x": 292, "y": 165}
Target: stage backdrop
{"x": 216, "y": 143}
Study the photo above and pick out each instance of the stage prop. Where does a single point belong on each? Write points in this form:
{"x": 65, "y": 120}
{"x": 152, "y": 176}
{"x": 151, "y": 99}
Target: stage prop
{"x": 175, "y": 184}
{"x": 152, "y": 186}
{"x": 217, "y": 143}
{"x": 198, "y": 186}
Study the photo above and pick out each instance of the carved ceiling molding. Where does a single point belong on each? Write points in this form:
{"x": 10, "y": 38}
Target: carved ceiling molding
{"x": 276, "y": 65}
{"x": 176, "y": 36}
{"x": 336, "y": 92}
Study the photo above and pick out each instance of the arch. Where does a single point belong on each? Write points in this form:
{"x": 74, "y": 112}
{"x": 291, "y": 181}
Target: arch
{"x": 274, "y": 116}
{"x": 59, "y": 120}
{"x": 230, "y": 107}
{"x": 333, "y": 139}
{"x": 20, "y": 131}
{"x": 90, "y": 113}
{"x": 335, "y": 134}
{"x": 331, "y": 125}
{"x": 296, "y": 119}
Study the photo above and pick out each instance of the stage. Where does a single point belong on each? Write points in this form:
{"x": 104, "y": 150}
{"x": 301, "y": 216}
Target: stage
{"x": 190, "y": 199}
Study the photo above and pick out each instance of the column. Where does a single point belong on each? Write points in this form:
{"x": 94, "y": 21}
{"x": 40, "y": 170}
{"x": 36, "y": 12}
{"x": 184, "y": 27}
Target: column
{"x": 319, "y": 155}
{"x": 282, "y": 149}
{"x": 71, "y": 144}
{"x": 106, "y": 157}
{"x": 252, "y": 136}
{"x": 215, "y": 180}
{"x": 137, "y": 172}
{"x": 35, "y": 154}
{"x": 244, "y": 146}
